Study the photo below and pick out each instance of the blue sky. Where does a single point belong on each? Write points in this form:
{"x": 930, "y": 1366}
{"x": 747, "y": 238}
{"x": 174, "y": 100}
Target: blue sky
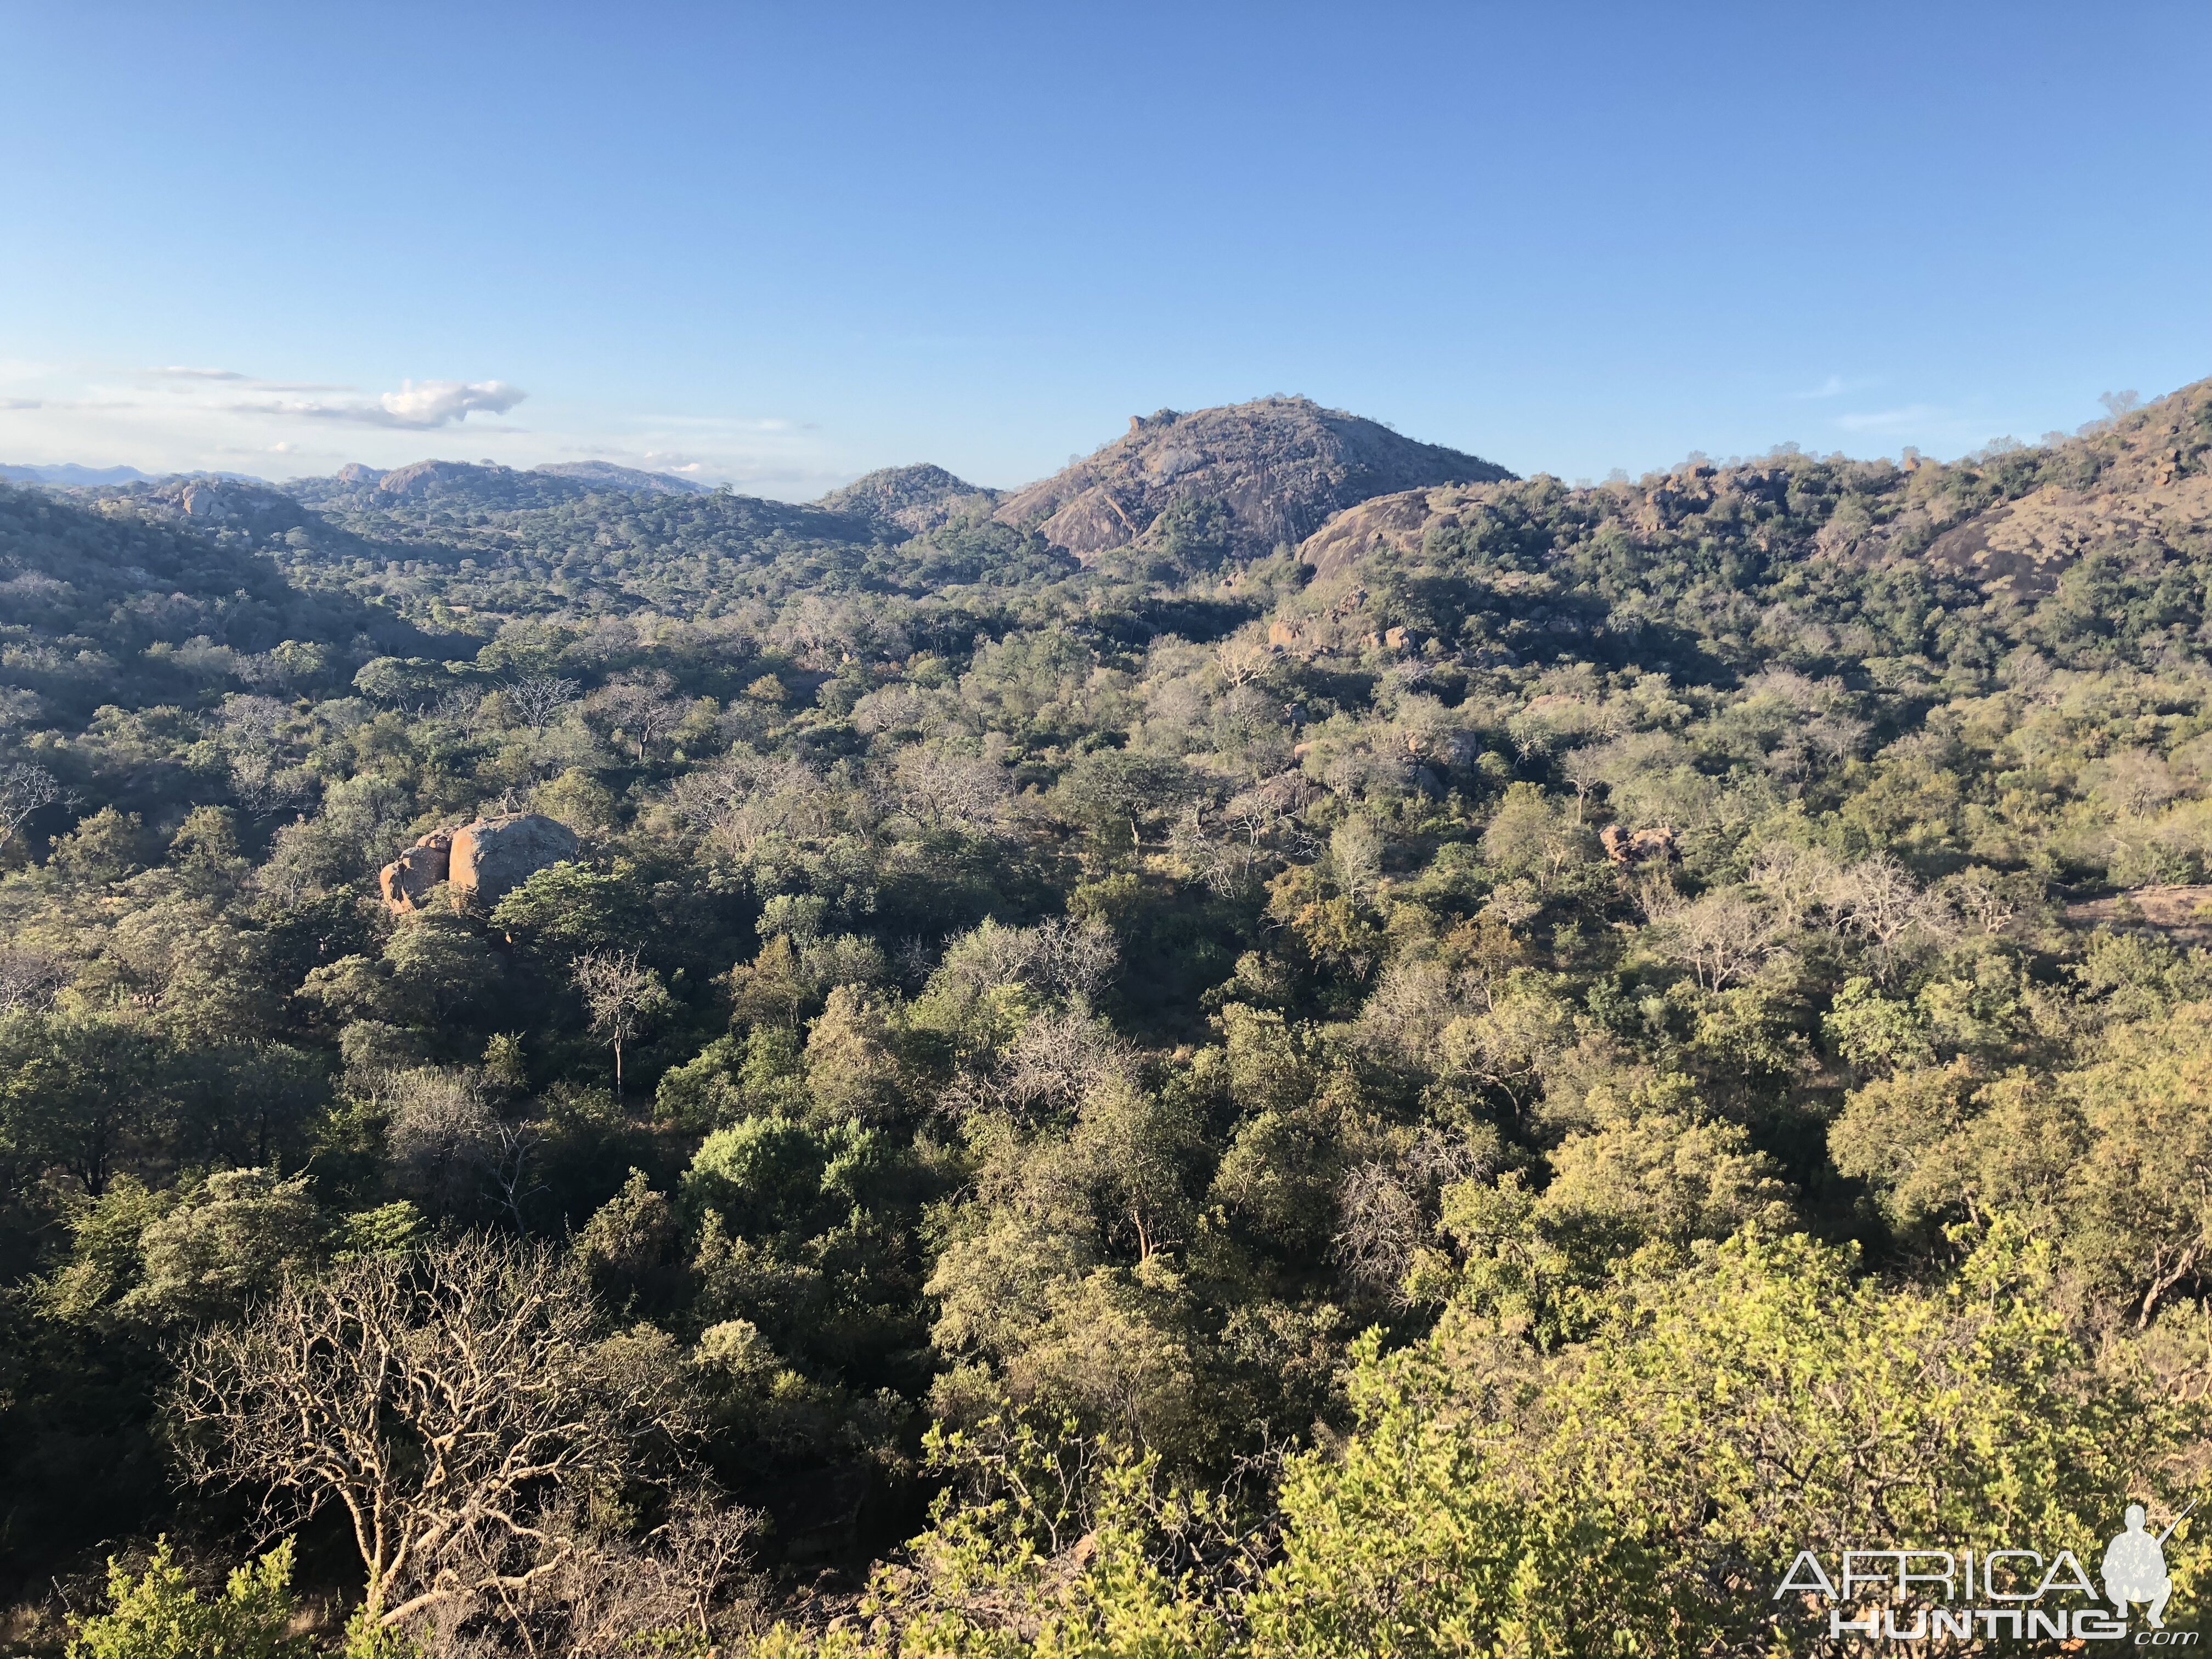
{"x": 782, "y": 245}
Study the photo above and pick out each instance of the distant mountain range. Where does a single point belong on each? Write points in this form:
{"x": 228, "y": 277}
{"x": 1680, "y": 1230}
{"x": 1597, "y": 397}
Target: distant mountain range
{"x": 69, "y": 475}
{"x": 1250, "y": 477}
{"x": 490, "y": 486}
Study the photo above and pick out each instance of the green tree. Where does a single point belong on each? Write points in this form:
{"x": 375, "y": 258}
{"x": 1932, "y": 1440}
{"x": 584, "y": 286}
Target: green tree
{"x": 159, "y": 1615}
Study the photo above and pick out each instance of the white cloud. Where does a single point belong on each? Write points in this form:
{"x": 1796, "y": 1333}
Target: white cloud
{"x": 436, "y": 403}
{"x": 419, "y": 406}
{"x": 175, "y": 372}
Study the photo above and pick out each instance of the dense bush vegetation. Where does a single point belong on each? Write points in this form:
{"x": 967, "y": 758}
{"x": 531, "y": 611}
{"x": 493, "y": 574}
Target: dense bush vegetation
{"x": 1166, "y": 1103}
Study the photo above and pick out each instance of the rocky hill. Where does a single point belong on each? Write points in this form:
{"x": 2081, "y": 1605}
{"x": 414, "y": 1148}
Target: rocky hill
{"x": 2130, "y": 486}
{"x": 2010, "y": 523}
{"x": 209, "y": 502}
{"x": 439, "y": 484}
{"x": 1272, "y": 472}
{"x": 909, "y": 500}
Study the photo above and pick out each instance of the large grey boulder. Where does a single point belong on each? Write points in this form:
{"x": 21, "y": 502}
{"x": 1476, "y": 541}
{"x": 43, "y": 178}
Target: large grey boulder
{"x": 494, "y": 856}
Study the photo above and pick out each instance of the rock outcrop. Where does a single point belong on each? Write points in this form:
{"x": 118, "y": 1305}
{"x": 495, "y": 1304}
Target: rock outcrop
{"x": 1279, "y": 468}
{"x": 1655, "y": 846}
{"x": 407, "y": 880}
{"x": 492, "y": 857}
{"x": 212, "y": 503}
{"x": 480, "y": 863}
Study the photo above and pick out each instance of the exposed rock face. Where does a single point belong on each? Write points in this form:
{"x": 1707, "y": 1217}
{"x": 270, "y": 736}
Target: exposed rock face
{"x": 408, "y": 878}
{"x": 492, "y": 857}
{"x": 2023, "y": 547}
{"x": 2136, "y": 483}
{"x": 1398, "y": 522}
{"x": 1281, "y": 466}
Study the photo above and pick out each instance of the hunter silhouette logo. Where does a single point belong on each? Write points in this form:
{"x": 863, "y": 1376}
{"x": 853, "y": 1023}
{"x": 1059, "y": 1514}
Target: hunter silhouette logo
{"x": 1993, "y": 1594}
{"x": 2134, "y": 1567}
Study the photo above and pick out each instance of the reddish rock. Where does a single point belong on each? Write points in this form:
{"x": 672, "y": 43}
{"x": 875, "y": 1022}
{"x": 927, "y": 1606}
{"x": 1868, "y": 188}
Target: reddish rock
{"x": 408, "y": 879}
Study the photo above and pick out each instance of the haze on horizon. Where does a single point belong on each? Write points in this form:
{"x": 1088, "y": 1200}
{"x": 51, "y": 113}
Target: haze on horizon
{"x": 781, "y": 249}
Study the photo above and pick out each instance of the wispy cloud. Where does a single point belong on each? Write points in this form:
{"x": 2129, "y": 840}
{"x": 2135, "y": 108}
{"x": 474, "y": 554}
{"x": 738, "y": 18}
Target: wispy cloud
{"x": 1892, "y": 420}
{"x": 419, "y": 406}
{"x": 1834, "y": 386}
{"x": 21, "y": 402}
{"x": 176, "y": 372}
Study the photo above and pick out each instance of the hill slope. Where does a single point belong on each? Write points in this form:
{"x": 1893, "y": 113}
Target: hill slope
{"x": 2011, "y": 521}
{"x": 1270, "y": 471}
{"x": 2085, "y": 550}
{"x": 907, "y": 501}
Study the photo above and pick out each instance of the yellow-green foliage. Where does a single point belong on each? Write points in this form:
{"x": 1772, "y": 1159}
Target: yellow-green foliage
{"x": 159, "y": 1615}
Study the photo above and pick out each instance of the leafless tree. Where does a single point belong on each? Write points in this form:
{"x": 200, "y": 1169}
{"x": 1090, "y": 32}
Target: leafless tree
{"x": 1721, "y": 937}
{"x": 24, "y": 788}
{"x": 1257, "y": 830}
{"x": 1240, "y": 661}
{"x": 639, "y": 708}
{"x": 445, "y": 1402}
{"x": 1879, "y": 900}
{"x": 1836, "y": 737}
{"x": 1075, "y": 958}
{"x": 948, "y": 790}
{"x": 30, "y": 979}
{"x": 607, "y": 1597}
{"x": 1062, "y": 957}
{"x": 252, "y": 734}
{"x": 1975, "y": 895}
{"x": 621, "y": 994}
{"x": 251, "y": 722}
{"x": 1381, "y": 1226}
{"x": 1058, "y": 1060}
{"x": 1405, "y": 1015}
{"x": 538, "y": 698}
{"x": 1386, "y": 1208}
{"x": 747, "y": 799}
{"x": 441, "y": 1133}
{"x": 1798, "y": 883}
{"x": 455, "y": 704}
{"x": 1222, "y": 863}
{"x": 446, "y": 1142}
